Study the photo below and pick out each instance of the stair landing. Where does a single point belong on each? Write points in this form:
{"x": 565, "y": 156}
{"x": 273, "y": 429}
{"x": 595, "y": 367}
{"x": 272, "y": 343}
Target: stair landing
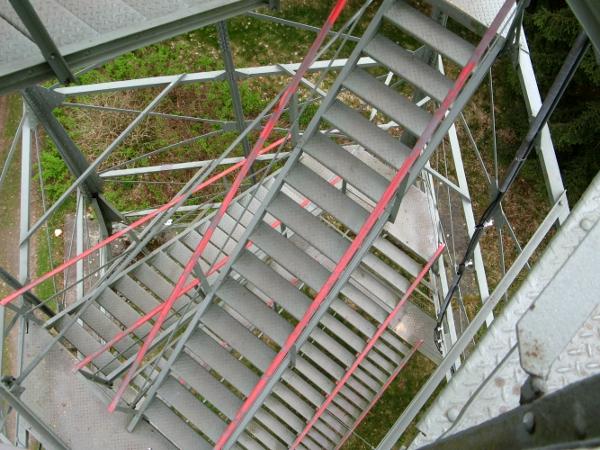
{"x": 75, "y": 408}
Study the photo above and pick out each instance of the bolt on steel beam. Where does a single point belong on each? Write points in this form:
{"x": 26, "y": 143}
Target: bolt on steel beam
{"x": 43, "y": 40}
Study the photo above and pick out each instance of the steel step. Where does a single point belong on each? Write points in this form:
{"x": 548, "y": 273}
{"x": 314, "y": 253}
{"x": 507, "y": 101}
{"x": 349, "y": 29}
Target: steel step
{"x": 198, "y": 378}
{"x": 241, "y": 377}
{"x": 350, "y": 168}
{"x": 345, "y": 210}
{"x": 236, "y": 373}
{"x": 86, "y": 344}
{"x": 135, "y": 293}
{"x": 256, "y": 311}
{"x": 171, "y": 426}
{"x": 121, "y": 310}
{"x": 409, "y": 67}
{"x": 379, "y": 142}
{"x": 327, "y": 197}
{"x": 295, "y": 302}
{"x": 178, "y": 397}
{"x": 393, "y": 104}
{"x": 104, "y": 327}
{"x": 333, "y": 245}
{"x": 305, "y": 268}
{"x": 430, "y": 32}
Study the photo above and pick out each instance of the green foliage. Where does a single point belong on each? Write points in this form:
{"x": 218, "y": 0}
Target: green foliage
{"x": 552, "y": 29}
{"x": 55, "y": 174}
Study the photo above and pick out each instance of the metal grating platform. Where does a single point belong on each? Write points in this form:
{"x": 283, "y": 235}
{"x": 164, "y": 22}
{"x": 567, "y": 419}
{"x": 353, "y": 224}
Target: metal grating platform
{"x": 74, "y": 407}
{"x": 89, "y": 32}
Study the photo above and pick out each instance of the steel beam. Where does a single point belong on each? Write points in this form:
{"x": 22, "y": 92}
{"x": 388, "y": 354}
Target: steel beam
{"x": 232, "y": 80}
{"x": 299, "y": 25}
{"x": 134, "y": 38}
{"x": 41, "y": 102}
{"x": 184, "y": 166}
{"x": 24, "y": 218}
{"x": 105, "y": 210}
{"x": 202, "y": 77}
{"x": 79, "y": 244}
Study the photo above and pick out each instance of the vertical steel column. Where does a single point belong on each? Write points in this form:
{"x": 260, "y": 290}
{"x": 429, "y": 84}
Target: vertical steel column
{"x": 79, "y": 245}
{"x": 544, "y": 147}
{"x": 482, "y": 284}
{"x": 24, "y": 217}
{"x": 231, "y": 75}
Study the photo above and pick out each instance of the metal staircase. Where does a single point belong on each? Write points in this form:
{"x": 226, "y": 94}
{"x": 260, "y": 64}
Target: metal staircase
{"x": 281, "y": 241}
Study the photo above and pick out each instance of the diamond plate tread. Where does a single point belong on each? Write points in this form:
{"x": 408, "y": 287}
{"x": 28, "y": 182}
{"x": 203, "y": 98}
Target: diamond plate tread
{"x": 482, "y": 12}
{"x": 54, "y": 17}
{"x": 173, "y": 427}
{"x": 88, "y": 27}
{"x": 379, "y": 142}
{"x": 501, "y": 336}
{"x": 351, "y": 169}
{"x": 393, "y": 104}
{"x": 100, "y": 14}
{"x": 409, "y": 67}
{"x": 430, "y": 32}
